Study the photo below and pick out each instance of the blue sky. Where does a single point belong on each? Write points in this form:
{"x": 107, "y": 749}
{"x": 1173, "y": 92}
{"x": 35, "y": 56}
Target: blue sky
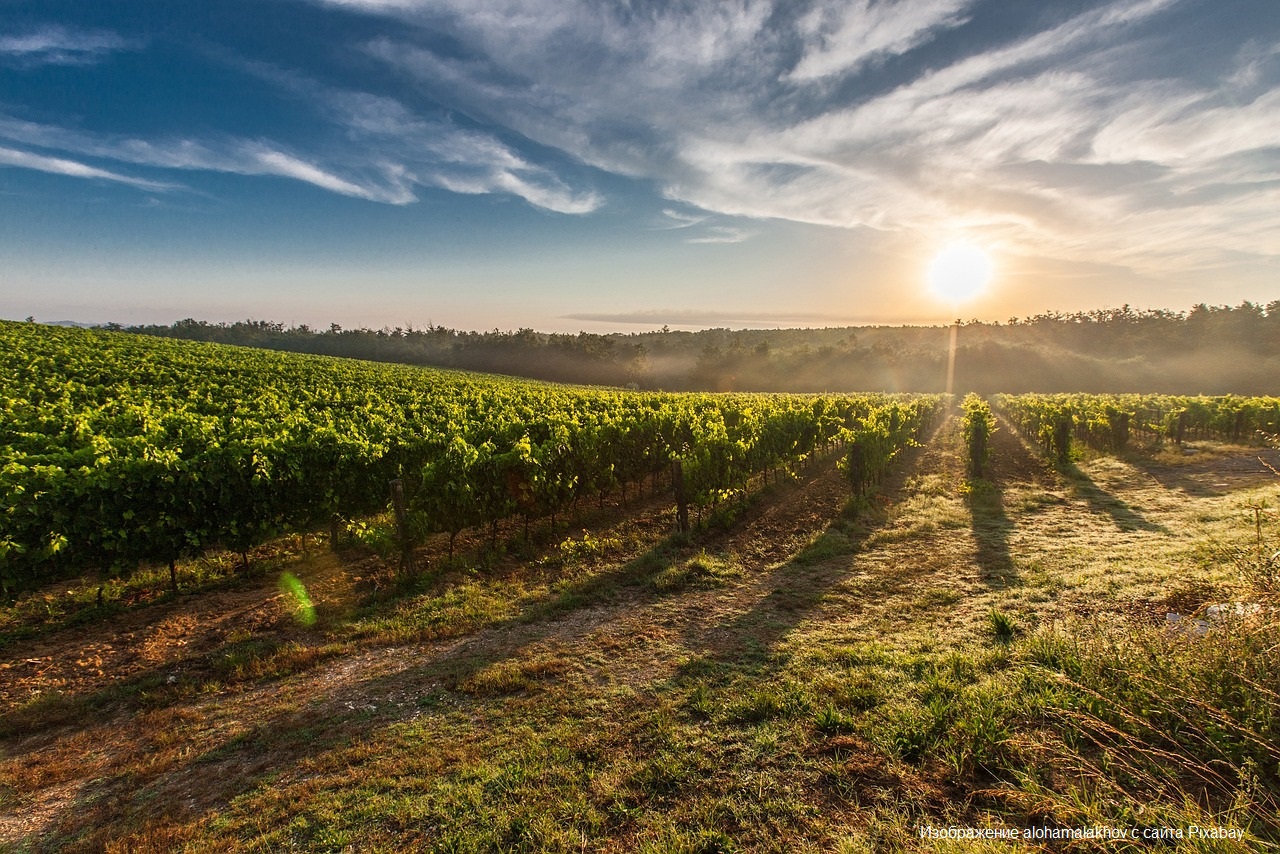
{"x": 621, "y": 164}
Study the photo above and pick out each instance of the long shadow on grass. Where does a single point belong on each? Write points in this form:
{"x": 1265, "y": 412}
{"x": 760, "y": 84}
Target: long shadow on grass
{"x": 498, "y": 651}
{"x": 1102, "y": 502}
{"x": 991, "y": 530}
{"x": 800, "y": 585}
{"x": 523, "y": 652}
{"x": 1215, "y": 476}
{"x": 282, "y": 737}
{"x": 174, "y": 681}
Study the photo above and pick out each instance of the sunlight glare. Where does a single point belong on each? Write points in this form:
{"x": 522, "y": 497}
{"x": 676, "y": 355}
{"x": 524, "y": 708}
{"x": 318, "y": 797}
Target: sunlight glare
{"x": 959, "y": 272}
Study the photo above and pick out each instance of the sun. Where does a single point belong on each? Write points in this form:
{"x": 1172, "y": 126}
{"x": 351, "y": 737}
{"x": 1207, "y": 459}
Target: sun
{"x": 960, "y": 272}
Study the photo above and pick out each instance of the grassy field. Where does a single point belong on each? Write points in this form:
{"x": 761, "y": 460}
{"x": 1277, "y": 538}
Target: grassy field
{"x": 800, "y": 675}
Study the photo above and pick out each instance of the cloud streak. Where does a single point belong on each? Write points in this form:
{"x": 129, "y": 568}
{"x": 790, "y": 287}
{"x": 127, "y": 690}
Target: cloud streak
{"x": 415, "y": 152}
{"x": 55, "y": 45}
{"x": 723, "y": 234}
{"x": 233, "y": 156}
{"x": 74, "y": 169}
{"x": 844, "y": 38}
{"x": 383, "y": 154}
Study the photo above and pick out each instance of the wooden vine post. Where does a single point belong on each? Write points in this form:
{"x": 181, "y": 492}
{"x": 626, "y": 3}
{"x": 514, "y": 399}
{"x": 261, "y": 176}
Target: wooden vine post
{"x": 407, "y": 563}
{"x": 682, "y": 501}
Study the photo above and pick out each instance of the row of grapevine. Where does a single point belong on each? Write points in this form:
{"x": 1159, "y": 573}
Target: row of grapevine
{"x": 542, "y": 468}
{"x": 881, "y": 434}
{"x": 977, "y": 427}
{"x": 1046, "y": 419}
{"x": 118, "y": 449}
{"x": 1108, "y": 421}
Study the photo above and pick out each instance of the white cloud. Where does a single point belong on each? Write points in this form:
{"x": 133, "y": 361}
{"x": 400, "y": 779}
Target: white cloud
{"x": 546, "y": 194}
{"x": 393, "y": 153}
{"x": 407, "y": 150}
{"x": 271, "y": 162}
{"x": 73, "y": 169}
{"x": 1190, "y": 130}
{"x": 723, "y": 234}
{"x": 676, "y": 219}
{"x": 659, "y": 42}
{"x": 1070, "y": 139}
{"x": 54, "y": 45}
{"x": 1021, "y": 143}
{"x": 379, "y": 151}
{"x": 703, "y": 228}
{"x": 231, "y": 155}
{"x": 847, "y": 35}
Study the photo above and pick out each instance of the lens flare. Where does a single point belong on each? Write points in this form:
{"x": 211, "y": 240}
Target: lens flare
{"x": 303, "y": 609}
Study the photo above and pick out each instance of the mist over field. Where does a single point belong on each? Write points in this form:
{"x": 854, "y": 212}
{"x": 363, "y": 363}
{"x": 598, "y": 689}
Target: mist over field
{"x": 1207, "y": 350}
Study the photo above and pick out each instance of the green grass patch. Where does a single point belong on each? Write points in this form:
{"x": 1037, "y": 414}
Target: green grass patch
{"x": 827, "y": 546}
{"x": 701, "y": 570}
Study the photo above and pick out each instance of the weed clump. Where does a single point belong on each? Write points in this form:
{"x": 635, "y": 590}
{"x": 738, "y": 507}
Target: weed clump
{"x": 831, "y": 720}
{"x": 588, "y": 548}
{"x": 1257, "y": 563}
{"x": 1002, "y": 626}
{"x": 701, "y": 570}
{"x": 1150, "y": 715}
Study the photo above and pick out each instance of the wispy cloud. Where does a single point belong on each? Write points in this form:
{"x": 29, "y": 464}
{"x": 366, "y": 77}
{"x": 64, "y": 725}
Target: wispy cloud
{"x": 228, "y": 155}
{"x": 379, "y": 133}
{"x": 791, "y": 111}
{"x": 1066, "y": 131}
{"x": 703, "y": 227}
{"x": 678, "y": 219}
{"x": 272, "y": 162}
{"x": 843, "y": 37}
{"x": 723, "y": 234}
{"x": 429, "y": 152}
{"x": 74, "y": 169}
{"x": 381, "y": 152}
{"x": 55, "y": 45}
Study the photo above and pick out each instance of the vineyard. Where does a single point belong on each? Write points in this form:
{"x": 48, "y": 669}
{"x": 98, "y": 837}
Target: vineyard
{"x": 788, "y": 623}
{"x": 1107, "y": 422}
{"x": 119, "y": 450}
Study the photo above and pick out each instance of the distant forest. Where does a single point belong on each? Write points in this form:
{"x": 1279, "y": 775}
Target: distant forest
{"x": 1209, "y": 349}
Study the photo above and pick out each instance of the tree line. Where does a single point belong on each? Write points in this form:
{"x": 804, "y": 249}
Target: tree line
{"x": 1208, "y": 349}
